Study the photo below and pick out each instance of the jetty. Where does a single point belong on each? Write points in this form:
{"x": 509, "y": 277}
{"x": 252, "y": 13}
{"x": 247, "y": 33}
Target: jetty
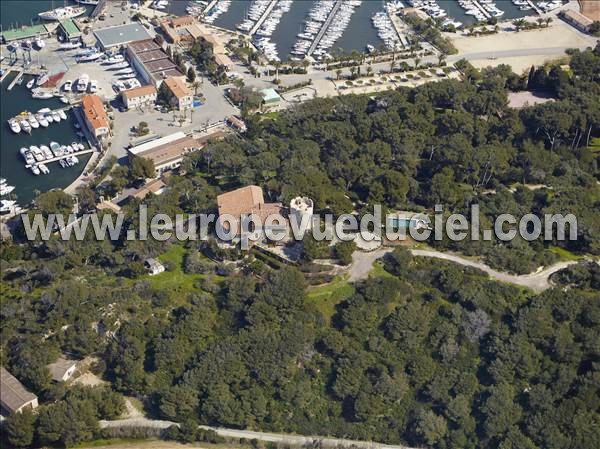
{"x": 210, "y": 6}
{"x": 98, "y": 9}
{"x": 535, "y": 7}
{"x": 58, "y": 158}
{"x": 262, "y": 19}
{"x": 20, "y": 74}
{"x": 400, "y": 27}
{"x": 323, "y": 29}
{"x": 482, "y": 9}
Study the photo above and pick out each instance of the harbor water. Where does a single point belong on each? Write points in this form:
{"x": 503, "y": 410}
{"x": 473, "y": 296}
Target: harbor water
{"x": 12, "y": 164}
{"x": 357, "y": 36}
{"x": 13, "y": 14}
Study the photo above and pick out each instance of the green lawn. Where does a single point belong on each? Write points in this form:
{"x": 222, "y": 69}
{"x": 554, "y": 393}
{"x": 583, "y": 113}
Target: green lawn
{"x": 325, "y": 297}
{"x": 175, "y": 281}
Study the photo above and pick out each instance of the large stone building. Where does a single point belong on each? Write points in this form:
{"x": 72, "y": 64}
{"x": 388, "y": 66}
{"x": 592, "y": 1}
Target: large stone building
{"x": 166, "y": 153}
{"x": 13, "y": 395}
{"x": 181, "y": 96}
{"x": 151, "y": 62}
{"x": 140, "y": 96}
{"x": 95, "y": 115}
{"x": 245, "y": 201}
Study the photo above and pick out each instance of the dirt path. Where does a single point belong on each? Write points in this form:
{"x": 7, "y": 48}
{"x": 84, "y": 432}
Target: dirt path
{"x": 538, "y": 281}
{"x": 362, "y": 263}
{"x": 283, "y": 438}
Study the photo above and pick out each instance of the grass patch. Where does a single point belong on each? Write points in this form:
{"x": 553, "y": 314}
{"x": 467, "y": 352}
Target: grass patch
{"x": 595, "y": 145}
{"x": 565, "y": 254}
{"x": 326, "y": 297}
{"x": 174, "y": 280}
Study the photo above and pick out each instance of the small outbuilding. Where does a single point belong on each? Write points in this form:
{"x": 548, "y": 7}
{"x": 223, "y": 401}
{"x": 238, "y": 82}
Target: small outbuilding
{"x": 62, "y": 370}
{"x": 154, "y": 266}
{"x": 270, "y": 97}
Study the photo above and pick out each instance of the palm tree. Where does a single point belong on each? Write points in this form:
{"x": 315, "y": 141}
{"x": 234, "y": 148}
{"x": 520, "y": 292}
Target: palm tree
{"x": 392, "y": 65}
{"x": 305, "y": 63}
{"x": 417, "y": 62}
{"x": 369, "y": 70}
{"x": 338, "y": 73}
{"x": 196, "y": 85}
{"x": 549, "y": 20}
{"x": 441, "y": 58}
{"x": 539, "y": 21}
{"x": 519, "y": 24}
{"x": 277, "y": 65}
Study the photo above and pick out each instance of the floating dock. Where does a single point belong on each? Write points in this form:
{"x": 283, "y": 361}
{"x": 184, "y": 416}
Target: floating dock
{"x": 323, "y": 29}
{"x": 58, "y": 158}
{"x": 535, "y": 8}
{"x": 482, "y": 9}
{"x": 16, "y": 79}
{"x": 262, "y": 19}
{"x": 210, "y": 6}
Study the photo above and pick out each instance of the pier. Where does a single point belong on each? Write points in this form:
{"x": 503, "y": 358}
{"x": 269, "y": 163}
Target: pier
{"x": 260, "y": 21}
{"x": 98, "y": 9}
{"x": 210, "y": 6}
{"x": 535, "y": 8}
{"x": 323, "y": 30}
{"x": 482, "y": 9}
{"x": 16, "y": 79}
{"x": 58, "y": 158}
{"x": 399, "y": 26}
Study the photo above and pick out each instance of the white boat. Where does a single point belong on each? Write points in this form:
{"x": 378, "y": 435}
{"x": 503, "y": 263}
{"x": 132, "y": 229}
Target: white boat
{"x": 55, "y": 148}
{"x": 14, "y": 126}
{"x": 29, "y": 159}
{"x": 48, "y": 117}
{"x": 88, "y": 2}
{"x": 120, "y": 65}
{"x": 42, "y": 120}
{"x": 35, "y": 170}
{"x": 39, "y": 42}
{"x": 37, "y": 153}
{"x": 128, "y": 76}
{"x": 44, "y": 169}
{"x": 126, "y": 71}
{"x": 25, "y": 126}
{"x": 7, "y": 206}
{"x": 42, "y": 79}
{"x": 82, "y": 83}
{"x": 46, "y": 152}
{"x": 30, "y": 83}
{"x": 33, "y": 121}
{"x": 67, "y": 86}
{"x": 93, "y": 86}
{"x": 41, "y": 95}
{"x": 64, "y": 100}
{"x": 5, "y": 189}
{"x": 66, "y": 12}
{"x": 62, "y": 114}
{"x": 115, "y": 59}
{"x": 69, "y": 45}
{"x": 56, "y": 116}
{"x": 90, "y": 57}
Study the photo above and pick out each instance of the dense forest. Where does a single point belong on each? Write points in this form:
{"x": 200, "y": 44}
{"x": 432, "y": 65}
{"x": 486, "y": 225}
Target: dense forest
{"x": 426, "y": 353}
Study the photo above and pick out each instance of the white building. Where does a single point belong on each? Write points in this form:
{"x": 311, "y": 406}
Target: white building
{"x": 154, "y": 266}
{"x": 301, "y": 206}
{"x": 62, "y": 370}
{"x": 140, "y": 96}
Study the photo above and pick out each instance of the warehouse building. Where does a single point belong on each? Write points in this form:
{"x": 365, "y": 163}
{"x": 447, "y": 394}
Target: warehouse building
{"x": 167, "y": 152}
{"x": 13, "y": 395}
{"x": 151, "y": 62}
{"x": 118, "y": 36}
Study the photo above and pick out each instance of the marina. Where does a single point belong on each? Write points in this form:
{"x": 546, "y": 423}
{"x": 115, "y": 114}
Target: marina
{"x": 14, "y": 167}
{"x": 299, "y": 30}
